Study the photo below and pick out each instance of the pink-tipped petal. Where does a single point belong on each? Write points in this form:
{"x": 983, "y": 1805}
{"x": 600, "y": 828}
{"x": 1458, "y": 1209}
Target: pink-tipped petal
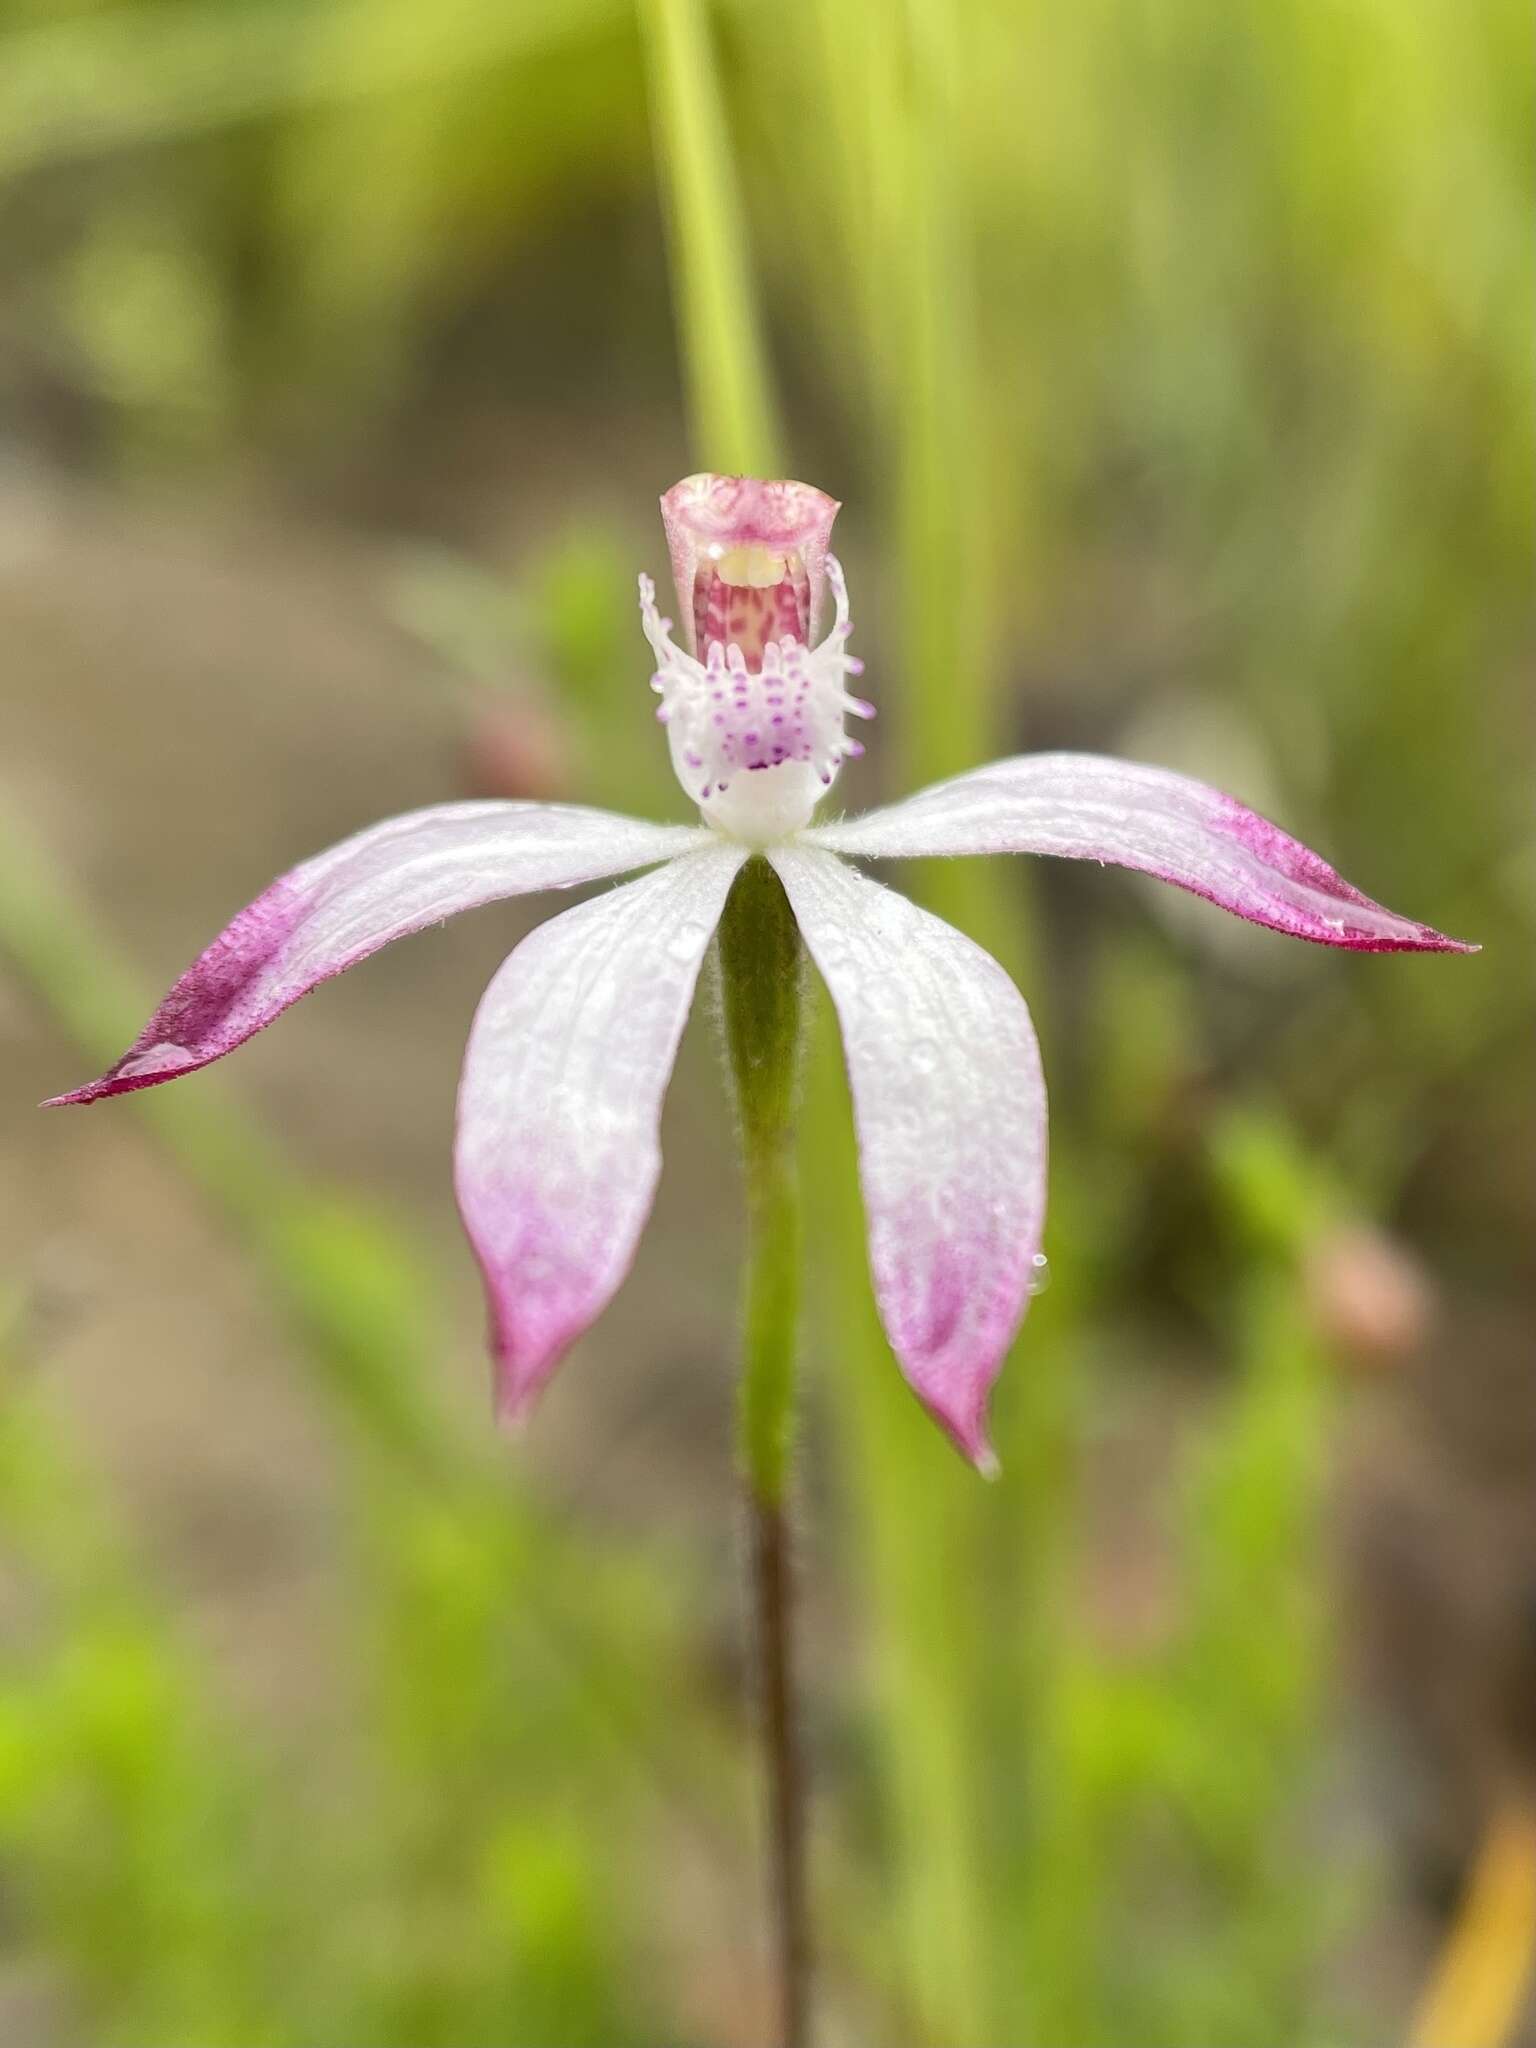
{"x": 949, "y": 1102}
{"x": 558, "y": 1152}
{"x": 1090, "y": 807}
{"x": 346, "y": 903}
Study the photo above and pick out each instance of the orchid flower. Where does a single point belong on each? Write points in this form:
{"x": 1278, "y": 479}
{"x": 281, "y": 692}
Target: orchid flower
{"x": 557, "y": 1153}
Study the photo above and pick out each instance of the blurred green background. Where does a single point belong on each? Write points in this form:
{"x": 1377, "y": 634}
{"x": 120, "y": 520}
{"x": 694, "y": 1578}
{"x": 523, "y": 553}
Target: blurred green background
{"x": 1173, "y": 364}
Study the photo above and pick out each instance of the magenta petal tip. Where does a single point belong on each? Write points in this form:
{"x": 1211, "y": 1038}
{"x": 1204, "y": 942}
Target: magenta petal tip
{"x": 527, "y": 1345}
{"x": 116, "y": 1082}
{"x": 515, "y": 1404}
{"x": 977, "y": 1451}
{"x": 966, "y": 1427}
{"x": 1402, "y": 935}
{"x": 527, "y": 1349}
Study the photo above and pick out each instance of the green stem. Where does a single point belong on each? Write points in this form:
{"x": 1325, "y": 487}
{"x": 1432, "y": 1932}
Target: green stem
{"x": 762, "y": 985}
{"x": 761, "y": 971}
{"x": 762, "y": 975}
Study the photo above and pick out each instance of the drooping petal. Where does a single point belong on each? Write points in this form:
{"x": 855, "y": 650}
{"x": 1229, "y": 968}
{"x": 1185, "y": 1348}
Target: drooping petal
{"x": 949, "y": 1102}
{"x": 557, "y": 1154}
{"x": 346, "y": 903}
{"x": 1090, "y": 807}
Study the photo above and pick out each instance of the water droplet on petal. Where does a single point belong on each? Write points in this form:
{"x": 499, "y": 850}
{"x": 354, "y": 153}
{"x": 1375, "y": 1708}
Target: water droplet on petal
{"x": 1040, "y": 1278}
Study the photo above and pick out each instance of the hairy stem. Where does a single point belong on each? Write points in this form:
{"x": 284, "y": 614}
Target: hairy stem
{"x": 762, "y": 976}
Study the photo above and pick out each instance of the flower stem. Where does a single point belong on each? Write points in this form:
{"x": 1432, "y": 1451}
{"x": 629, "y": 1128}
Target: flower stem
{"x": 762, "y": 983}
{"x": 773, "y": 1602}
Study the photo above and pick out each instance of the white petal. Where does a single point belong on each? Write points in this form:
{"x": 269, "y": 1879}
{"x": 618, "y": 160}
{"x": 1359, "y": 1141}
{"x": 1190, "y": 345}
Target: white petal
{"x": 1090, "y": 807}
{"x": 949, "y": 1102}
{"x": 559, "y": 1106}
{"x": 347, "y": 902}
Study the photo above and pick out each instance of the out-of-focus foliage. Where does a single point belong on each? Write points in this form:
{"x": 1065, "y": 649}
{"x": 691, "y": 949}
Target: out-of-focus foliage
{"x": 1173, "y": 365}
